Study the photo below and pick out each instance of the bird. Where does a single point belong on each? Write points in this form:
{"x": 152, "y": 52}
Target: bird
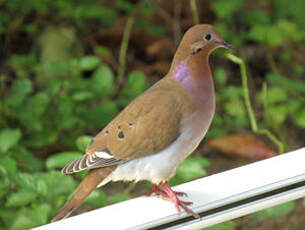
{"x": 154, "y": 134}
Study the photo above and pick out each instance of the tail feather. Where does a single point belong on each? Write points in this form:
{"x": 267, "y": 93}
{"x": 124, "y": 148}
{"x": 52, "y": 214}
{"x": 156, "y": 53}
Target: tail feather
{"x": 88, "y": 184}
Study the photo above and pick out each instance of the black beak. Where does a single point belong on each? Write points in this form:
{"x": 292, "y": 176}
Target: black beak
{"x": 225, "y": 45}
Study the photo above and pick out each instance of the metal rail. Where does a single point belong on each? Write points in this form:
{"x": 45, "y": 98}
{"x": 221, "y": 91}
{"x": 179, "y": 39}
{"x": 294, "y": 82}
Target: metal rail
{"x": 216, "y": 198}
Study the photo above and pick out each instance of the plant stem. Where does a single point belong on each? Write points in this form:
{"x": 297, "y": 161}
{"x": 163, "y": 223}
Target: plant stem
{"x": 251, "y": 114}
{"x": 195, "y": 11}
{"x": 123, "y": 50}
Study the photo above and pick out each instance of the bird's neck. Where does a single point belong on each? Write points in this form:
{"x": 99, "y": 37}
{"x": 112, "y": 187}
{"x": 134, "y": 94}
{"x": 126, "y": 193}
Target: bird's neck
{"x": 194, "y": 74}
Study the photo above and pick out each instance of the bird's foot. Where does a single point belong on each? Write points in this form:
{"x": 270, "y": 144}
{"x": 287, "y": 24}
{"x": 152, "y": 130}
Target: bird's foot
{"x": 173, "y": 197}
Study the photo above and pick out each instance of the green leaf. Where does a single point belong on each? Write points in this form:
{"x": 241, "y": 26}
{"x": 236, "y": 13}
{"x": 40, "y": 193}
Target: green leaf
{"x": 290, "y": 84}
{"x": 26, "y": 160}
{"x": 97, "y": 198}
{"x": 278, "y": 113}
{"x": 276, "y": 211}
{"x": 34, "y": 107}
{"x": 118, "y": 197}
{"x": 102, "y": 81}
{"x": 89, "y": 63}
{"x": 29, "y": 218}
{"x": 235, "y": 108}
{"x": 136, "y": 84}
{"x": 57, "y": 184}
{"x": 299, "y": 117}
{"x": 254, "y": 17}
{"x": 5, "y": 181}
{"x": 10, "y": 165}
{"x": 232, "y": 93}
{"x": 101, "y": 115}
{"x": 274, "y": 95}
{"x": 220, "y": 76}
{"x": 54, "y": 86}
{"x": 82, "y": 96}
{"x": 9, "y": 138}
{"x": 228, "y": 225}
{"x": 20, "y": 198}
{"x": 124, "y": 5}
{"x": 275, "y": 36}
{"x": 19, "y": 90}
{"x": 191, "y": 168}
{"x": 27, "y": 181}
{"x": 270, "y": 35}
{"x": 258, "y": 33}
{"x": 32, "y": 183}
{"x": 225, "y": 9}
{"x": 64, "y": 118}
{"x": 60, "y": 160}
{"x": 103, "y": 51}
{"x": 83, "y": 142}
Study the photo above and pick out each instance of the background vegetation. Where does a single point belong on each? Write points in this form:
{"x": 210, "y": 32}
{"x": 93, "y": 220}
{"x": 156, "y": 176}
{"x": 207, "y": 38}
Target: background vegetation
{"x": 65, "y": 74}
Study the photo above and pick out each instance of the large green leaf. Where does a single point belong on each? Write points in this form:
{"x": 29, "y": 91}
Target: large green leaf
{"x": 26, "y": 159}
{"x": 191, "y": 168}
{"x": 299, "y": 117}
{"x": 228, "y": 225}
{"x": 102, "y": 81}
{"x": 225, "y": 9}
{"x": 10, "y": 165}
{"x": 20, "y": 198}
{"x": 83, "y": 142}
{"x": 18, "y": 91}
{"x": 274, "y": 95}
{"x": 276, "y": 211}
{"x": 278, "y": 113}
{"x": 34, "y": 107}
{"x": 57, "y": 184}
{"x": 101, "y": 115}
{"x": 97, "y": 198}
{"x": 89, "y": 62}
{"x": 118, "y": 197}
{"x": 5, "y": 181}
{"x": 9, "y": 138}
{"x": 60, "y": 160}
{"x": 136, "y": 84}
{"x": 29, "y": 218}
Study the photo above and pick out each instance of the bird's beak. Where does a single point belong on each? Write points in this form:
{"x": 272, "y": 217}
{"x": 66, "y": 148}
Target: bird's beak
{"x": 225, "y": 45}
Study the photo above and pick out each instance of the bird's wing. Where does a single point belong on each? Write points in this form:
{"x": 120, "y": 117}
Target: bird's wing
{"x": 143, "y": 128}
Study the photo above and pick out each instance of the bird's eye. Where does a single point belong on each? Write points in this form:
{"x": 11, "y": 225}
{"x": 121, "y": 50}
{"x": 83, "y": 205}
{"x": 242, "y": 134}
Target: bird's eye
{"x": 207, "y": 37}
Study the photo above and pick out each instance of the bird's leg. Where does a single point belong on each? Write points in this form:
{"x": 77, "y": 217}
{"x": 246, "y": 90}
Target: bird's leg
{"x": 172, "y": 196}
{"x": 158, "y": 191}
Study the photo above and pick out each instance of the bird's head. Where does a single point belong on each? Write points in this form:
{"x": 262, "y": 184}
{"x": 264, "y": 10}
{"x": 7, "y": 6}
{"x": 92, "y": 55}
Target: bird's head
{"x": 203, "y": 39}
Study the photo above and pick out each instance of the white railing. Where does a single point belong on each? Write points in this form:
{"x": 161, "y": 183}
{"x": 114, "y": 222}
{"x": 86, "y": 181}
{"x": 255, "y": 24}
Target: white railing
{"x": 217, "y": 198}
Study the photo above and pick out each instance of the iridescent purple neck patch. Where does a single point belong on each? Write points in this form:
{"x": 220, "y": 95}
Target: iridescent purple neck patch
{"x": 182, "y": 74}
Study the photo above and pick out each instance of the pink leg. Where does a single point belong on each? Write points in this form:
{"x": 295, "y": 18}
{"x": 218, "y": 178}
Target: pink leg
{"x": 158, "y": 191}
{"x": 172, "y": 196}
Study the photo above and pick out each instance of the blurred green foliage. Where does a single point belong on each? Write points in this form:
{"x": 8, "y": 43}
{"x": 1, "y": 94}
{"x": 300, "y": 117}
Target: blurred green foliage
{"x": 54, "y": 90}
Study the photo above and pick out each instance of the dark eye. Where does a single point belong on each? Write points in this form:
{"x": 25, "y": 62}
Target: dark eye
{"x": 207, "y": 37}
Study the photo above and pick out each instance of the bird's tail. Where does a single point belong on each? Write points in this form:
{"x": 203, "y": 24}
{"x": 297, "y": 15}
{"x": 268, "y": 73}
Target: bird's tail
{"x": 88, "y": 184}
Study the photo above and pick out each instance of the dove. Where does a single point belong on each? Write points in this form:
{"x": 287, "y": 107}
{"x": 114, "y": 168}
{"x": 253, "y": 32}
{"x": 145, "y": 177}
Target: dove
{"x": 154, "y": 134}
